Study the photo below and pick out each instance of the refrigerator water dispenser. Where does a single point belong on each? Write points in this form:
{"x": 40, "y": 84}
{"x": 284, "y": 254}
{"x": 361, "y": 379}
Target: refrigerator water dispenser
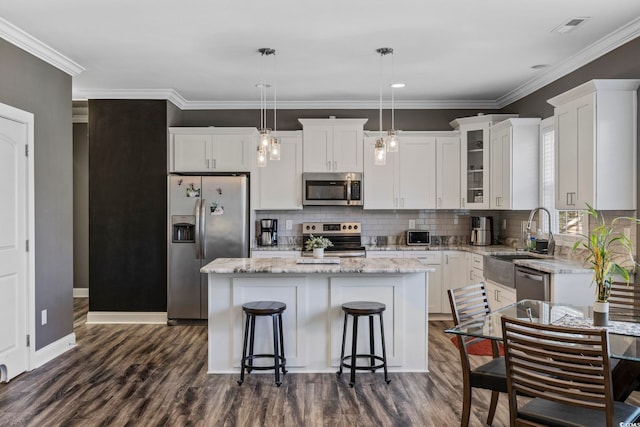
{"x": 184, "y": 228}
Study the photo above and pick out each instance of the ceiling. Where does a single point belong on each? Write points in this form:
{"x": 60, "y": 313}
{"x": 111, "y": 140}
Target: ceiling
{"x": 203, "y": 53}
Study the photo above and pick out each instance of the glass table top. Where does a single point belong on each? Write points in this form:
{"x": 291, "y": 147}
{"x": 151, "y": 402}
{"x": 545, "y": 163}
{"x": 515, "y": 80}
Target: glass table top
{"x": 624, "y": 329}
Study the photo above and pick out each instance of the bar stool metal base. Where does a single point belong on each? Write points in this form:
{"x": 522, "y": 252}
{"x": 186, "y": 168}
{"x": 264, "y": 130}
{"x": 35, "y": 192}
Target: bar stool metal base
{"x": 357, "y": 309}
{"x": 263, "y": 308}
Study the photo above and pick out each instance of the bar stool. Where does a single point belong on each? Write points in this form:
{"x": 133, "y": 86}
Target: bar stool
{"x": 357, "y": 309}
{"x": 263, "y": 308}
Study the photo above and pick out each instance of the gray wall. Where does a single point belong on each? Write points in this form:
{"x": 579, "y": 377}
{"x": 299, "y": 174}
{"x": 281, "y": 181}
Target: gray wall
{"x": 30, "y": 84}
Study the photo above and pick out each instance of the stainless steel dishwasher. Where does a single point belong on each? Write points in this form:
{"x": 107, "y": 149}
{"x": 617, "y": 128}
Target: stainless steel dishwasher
{"x": 531, "y": 284}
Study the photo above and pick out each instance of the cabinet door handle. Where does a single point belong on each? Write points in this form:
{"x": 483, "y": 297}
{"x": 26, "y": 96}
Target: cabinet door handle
{"x": 446, "y": 259}
{"x": 335, "y": 165}
{"x": 206, "y": 163}
{"x": 567, "y": 199}
{"x": 439, "y": 201}
{"x": 329, "y": 165}
{"x": 463, "y": 202}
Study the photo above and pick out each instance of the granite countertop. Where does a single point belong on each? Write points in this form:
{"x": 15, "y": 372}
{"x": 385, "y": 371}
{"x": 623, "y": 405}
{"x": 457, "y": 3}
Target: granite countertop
{"x": 547, "y": 265}
{"x": 289, "y": 265}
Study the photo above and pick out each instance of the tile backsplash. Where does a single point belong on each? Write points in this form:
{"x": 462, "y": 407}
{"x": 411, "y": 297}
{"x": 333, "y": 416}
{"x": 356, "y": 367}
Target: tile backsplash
{"x": 381, "y": 227}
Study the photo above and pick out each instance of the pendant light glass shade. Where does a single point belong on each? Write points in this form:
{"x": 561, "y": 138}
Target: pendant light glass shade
{"x": 380, "y": 153}
{"x": 392, "y": 141}
{"x": 261, "y": 156}
{"x": 274, "y": 153}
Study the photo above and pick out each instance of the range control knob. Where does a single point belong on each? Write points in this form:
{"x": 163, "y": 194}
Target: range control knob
{"x": 350, "y": 227}
{"x": 355, "y": 227}
{"x": 308, "y": 227}
{"x": 344, "y": 227}
{"x": 313, "y": 227}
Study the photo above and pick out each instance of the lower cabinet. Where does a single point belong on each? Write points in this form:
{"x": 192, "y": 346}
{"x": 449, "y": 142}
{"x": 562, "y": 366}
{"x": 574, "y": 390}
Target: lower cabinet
{"x": 432, "y": 259}
{"x": 454, "y": 275}
{"x": 499, "y": 295}
{"x": 257, "y": 253}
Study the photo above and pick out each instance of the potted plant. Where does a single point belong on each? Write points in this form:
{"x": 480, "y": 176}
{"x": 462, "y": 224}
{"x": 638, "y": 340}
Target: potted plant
{"x": 317, "y": 244}
{"x": 606, "y": 250}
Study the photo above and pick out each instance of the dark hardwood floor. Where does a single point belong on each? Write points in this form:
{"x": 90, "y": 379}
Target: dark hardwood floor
{"x": 154, "y": 375}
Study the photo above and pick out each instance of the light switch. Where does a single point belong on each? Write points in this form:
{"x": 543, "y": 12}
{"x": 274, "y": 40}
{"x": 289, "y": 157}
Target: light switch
{"x": 289, "y": 224}
{"x": 43, "y": 319}
{"x": 412, "y": 224}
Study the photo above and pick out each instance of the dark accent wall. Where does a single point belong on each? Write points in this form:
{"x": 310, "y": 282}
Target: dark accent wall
{"x": 80, "y": 205}
{"x": 127, "y": 205}
{"x": 406, "y": 120}
{"x": 32, "y": 85}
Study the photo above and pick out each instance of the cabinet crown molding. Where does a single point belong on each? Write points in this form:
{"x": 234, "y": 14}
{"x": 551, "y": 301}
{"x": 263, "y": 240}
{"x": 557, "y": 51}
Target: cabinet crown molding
{"x": 212, "y": 130}
{"x": 594, "y": 86}
{"x": 515, "y": 122}
{"x": 332, "y": 122}
{"x": 492, "y": 118}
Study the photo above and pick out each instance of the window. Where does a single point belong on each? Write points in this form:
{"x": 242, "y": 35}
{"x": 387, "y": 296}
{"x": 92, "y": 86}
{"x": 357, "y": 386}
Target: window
{"x": 569, "y": 222}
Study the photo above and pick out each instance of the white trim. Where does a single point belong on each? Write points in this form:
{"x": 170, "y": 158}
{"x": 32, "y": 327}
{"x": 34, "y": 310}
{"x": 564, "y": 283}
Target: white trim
{"x": 53, "y": 350}
{"x": 81, "y": 292}
{"x": 35, "y": 47}
{"x": 126, "y": 317}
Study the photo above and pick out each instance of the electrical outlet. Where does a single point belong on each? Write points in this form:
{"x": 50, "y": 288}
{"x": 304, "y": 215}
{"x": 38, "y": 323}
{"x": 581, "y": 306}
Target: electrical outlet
{"x": 289, "y": 224}
{"x": 455, "y": 220}
{"x": 504, "y": 224}
{"x": 412, "y": 223}
{"x": 43, "y": 317}
{"x": 627, "y": 232}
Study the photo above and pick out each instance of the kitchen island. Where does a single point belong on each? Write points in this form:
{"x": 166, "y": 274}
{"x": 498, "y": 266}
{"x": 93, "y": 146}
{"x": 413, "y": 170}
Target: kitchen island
{"x": 313, "y": 320}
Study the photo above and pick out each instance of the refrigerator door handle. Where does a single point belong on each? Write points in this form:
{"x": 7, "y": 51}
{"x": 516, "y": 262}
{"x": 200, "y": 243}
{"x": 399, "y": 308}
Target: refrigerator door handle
{"x": 203, "y": 229}
{"x": 198, "y": 241}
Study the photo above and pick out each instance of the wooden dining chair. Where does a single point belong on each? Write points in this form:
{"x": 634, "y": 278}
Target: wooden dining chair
{"x": 467, "y": 304}
{"x": 566, "y": 371}
{"x": 624, "y": 301}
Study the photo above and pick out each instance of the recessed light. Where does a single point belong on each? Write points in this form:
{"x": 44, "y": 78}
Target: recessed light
{"x": 570, "y": 24}
{"x": 539, "y": 66}
{"x": 397, "y": 85}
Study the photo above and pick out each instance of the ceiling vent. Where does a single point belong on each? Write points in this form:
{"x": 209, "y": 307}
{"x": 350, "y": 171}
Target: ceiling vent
{"x": 570, "y": 25}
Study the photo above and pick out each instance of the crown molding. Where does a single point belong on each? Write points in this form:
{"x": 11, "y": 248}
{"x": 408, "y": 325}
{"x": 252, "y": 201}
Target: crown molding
{"x": 35, "y": 47}
{"x": 173, "y": 96}
{"x": 605, "y": 45}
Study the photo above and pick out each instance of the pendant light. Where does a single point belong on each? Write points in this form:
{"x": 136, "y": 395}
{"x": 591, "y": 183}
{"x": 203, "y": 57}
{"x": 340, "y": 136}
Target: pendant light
{"x": 274, "y": 143}
{"x": 266, "y": 141}
{"x": 380, "y": 149}
{"x": 391, "y": 142}
{"x": 392, "y": 138}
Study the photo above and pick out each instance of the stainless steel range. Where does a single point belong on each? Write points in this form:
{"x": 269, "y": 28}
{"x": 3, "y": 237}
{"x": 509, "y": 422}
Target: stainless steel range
{"x": 345, "y": 236}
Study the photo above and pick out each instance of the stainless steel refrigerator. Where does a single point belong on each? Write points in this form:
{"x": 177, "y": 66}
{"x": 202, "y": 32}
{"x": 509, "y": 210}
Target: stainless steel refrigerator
{"x": 208, "y": 219}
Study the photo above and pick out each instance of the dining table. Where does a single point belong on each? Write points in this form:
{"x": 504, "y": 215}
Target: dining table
{"x": 623, "y": 331}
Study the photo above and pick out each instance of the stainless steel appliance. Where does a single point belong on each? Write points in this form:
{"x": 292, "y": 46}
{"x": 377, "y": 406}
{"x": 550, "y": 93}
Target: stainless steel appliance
{"x": 418, "y": 238}
{"x": 531, "y": 284}
{"x": 501, "y": 269}
{"x": 208, "y": 219}
{"x": 481, "y": 230}
{"x": 332, "y": 189}
{"x": 345, "y": 236}
{"x": 268, "y": 232}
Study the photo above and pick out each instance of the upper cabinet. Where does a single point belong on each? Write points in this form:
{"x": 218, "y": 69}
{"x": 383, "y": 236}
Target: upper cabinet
{"x": 211, "y": 149}
{"x": 280, "y": 182}
{"x": 474, "y": 158}
{"x": 514, "y": 165}
{"x": 595, "y": 155}
{"x": 407, "y": 180}
{"x": 332, "y": 145}
{"x": 448, "y": 170}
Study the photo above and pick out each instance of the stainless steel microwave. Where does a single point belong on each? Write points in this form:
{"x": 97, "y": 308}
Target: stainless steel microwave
{"x": 332, "y": 189}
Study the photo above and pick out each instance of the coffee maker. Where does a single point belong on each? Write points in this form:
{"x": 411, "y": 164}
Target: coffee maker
{"x": 481, "y": 230}
{"x": 268, "y": 232}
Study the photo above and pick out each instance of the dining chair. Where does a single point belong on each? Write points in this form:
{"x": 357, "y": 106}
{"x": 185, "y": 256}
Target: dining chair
{"x": 566, "y": 371}
{"x": 470, "y": 303}
{"x": 624, "y": 301}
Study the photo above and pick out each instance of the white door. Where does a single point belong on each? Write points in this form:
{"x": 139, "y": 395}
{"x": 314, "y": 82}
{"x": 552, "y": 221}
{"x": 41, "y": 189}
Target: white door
{"x": 14, "y": 136}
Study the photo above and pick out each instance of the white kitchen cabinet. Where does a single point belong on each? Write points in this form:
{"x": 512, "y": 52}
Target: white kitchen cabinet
{"x": 474, "y": 158}
{"x": 332, "y": 145}
{"x": 476, "y": 268}
{"x": 257, "y": 253}
{"x": 454, "y": 274}
{"x": 448, "y": 170}
{"x": 407, "y": 180}
{"x": 384, "y": 254}
{"x": 280, "y": 182}
{"x": 432, "y": 259}
{"x": 498, "y": 295}
{"x": 210, "y": 149}
{"x": 514, "y": 166}
{"x": 595, "y": 145}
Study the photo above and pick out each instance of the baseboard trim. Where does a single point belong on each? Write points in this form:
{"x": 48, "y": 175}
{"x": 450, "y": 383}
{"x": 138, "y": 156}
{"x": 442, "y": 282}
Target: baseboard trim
{"x": 127, "y": 317}
{"x": 81, "y": 292}
{"x": 53, "y": 350}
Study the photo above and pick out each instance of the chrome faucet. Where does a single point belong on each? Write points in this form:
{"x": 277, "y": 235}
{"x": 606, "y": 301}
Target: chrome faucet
{"x": 552, "y": 243}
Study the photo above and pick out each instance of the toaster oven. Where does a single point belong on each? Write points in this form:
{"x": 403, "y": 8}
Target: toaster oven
{"x": 418, "y": 238}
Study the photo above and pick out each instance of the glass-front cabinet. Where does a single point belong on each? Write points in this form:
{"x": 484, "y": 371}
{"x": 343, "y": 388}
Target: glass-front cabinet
{"x": 474, "y": 158}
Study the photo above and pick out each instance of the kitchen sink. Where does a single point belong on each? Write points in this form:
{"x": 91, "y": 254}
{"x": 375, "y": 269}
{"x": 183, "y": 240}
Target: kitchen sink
{"x": 500, "y": 268}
